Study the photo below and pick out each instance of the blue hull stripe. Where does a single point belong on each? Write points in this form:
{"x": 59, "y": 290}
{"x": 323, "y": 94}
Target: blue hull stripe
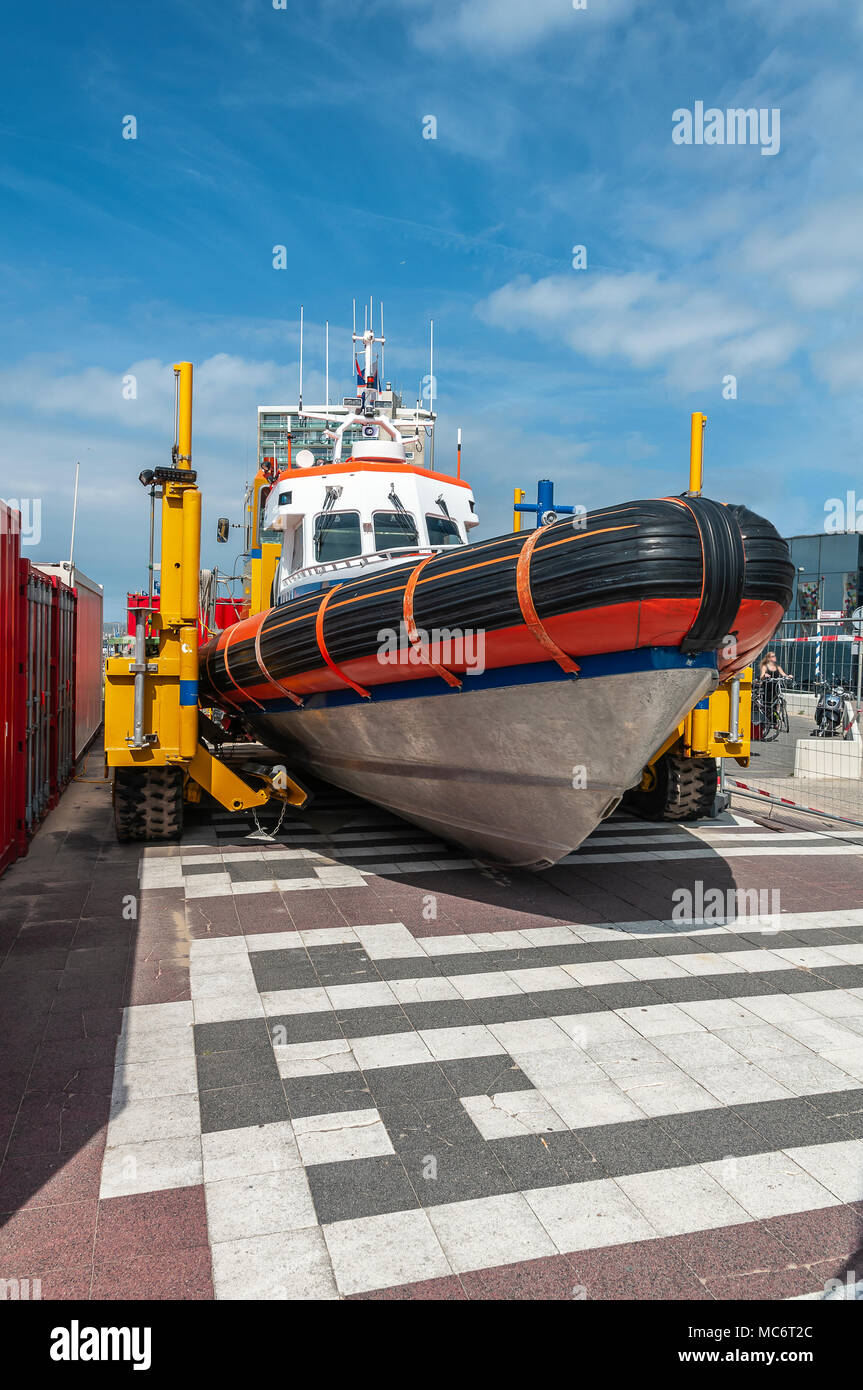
{"x": 537, "y": 673}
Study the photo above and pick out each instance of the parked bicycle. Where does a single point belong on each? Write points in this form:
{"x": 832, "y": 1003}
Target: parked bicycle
{"x": 769, "y": 708}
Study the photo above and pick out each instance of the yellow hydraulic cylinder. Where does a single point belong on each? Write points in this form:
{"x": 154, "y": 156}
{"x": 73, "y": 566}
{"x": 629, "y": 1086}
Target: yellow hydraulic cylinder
{"x": 696, "y": 453}
{"x": 518, "y": 496}
{"x": 183, "y": 373}
{"x": 171, "y": 556}
{"x": 188, "y": 731}
{"x": 700, "y": 729}
{"x": 191, "y": 572}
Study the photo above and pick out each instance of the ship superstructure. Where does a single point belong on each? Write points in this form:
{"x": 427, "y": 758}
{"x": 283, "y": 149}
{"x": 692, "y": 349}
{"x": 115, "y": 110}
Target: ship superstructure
{"x": 371, "y": 499}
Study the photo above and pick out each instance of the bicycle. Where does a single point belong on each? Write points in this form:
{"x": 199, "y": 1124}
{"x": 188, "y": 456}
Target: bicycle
{"x": 769, "y": 710}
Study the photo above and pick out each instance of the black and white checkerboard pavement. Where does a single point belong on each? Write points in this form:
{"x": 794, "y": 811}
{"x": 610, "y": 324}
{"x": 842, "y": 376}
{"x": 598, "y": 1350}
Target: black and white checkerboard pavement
{"x": 348, "y": 1062}
{"x": 399, "y": 1070}
{"x": 369, "y": 1108}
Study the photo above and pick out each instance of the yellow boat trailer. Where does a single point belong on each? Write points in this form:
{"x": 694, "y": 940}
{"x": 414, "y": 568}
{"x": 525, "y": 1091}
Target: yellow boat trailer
{"x": 152, "y": 721}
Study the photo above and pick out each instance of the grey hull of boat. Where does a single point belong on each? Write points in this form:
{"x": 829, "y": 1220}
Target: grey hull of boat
{"x": 518, "y": 775}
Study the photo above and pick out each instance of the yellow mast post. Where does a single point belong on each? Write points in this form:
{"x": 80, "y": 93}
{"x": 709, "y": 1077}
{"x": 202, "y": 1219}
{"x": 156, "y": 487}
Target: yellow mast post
{"x": 190, "y": 567}
{"x": 183, "y": 372}
{"x": 696, "y": 453}
{"x": 518, "y": 496}
{"x": 697, "y": 722}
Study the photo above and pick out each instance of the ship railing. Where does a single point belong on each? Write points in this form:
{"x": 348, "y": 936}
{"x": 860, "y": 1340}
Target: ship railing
{"x": 327, "y": 567}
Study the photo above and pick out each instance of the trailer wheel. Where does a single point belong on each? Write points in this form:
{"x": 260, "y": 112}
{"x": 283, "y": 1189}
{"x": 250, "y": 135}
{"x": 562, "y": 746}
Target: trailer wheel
{"x": 148, "y": 803}
{"x": 683, "y": 789}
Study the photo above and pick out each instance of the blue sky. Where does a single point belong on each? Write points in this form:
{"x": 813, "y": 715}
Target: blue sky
{"x": 303, "y": 126}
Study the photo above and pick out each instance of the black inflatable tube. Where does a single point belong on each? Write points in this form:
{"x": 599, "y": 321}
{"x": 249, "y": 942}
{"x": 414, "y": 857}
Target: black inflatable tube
{"x": 634, "y": 551}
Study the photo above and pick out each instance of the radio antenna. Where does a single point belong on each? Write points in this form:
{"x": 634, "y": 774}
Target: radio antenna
{"x": 301, "y": 357}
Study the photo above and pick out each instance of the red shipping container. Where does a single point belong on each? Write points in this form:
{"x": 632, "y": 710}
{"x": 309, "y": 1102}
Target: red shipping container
{"x": 89, "y": 665}
{"x": 12, "y": 618}
{"x": 49, "y": 675}
{"x": 37, "y": 690}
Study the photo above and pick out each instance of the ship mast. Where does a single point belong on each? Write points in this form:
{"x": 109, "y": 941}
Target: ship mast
{"x": 368, "y": 340}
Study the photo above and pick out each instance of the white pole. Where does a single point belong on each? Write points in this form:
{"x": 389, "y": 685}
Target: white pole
{"x": 74, "y": 513}
{"x": 301, "y": 357}
{"x": 431, "y": 385}
{"x": 327, "y": 361}
{"x": 382, "y": 344}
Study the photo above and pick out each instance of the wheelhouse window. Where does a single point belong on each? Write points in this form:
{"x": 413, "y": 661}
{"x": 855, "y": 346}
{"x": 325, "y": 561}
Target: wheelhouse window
{"x": 337, "y": 536}
{"x": 296, "y": 551}
{"x": 393, "y": 529}
{"x": 443, "y": 530}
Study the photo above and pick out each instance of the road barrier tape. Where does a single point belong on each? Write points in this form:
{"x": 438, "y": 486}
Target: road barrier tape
{"x": 786, "y": 801}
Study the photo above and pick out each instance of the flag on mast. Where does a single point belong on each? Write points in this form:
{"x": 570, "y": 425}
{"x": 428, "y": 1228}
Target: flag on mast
{"x": 362, "y": 380}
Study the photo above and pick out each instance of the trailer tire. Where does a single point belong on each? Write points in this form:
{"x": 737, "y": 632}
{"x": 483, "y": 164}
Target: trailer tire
{"x": 683, "y": 789}
{"x": 148, "y": 803}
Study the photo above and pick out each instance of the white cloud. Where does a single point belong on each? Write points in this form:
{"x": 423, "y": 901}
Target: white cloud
{"x": 818, "y": 261}
{"x": 227, "y": 392}
{"x": 841, "y": 365}
{"x": 692, "y": 334}
{"x": 783, "y": 14}
{"x": 505, "y": 26}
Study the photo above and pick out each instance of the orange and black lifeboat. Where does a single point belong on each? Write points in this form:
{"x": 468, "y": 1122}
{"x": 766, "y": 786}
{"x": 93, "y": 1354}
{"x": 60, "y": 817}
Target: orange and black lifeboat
{"x": 685, "y": 575}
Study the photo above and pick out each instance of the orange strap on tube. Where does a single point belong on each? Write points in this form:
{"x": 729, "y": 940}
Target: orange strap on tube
{"x": 322, "y": 646}
{"x": 232, "y": 632}
{"x": 222, "y": 696}
{"x": 528, "y": 608}
{"x": 411, "y": 628}
{"x": 260, "y": 660}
